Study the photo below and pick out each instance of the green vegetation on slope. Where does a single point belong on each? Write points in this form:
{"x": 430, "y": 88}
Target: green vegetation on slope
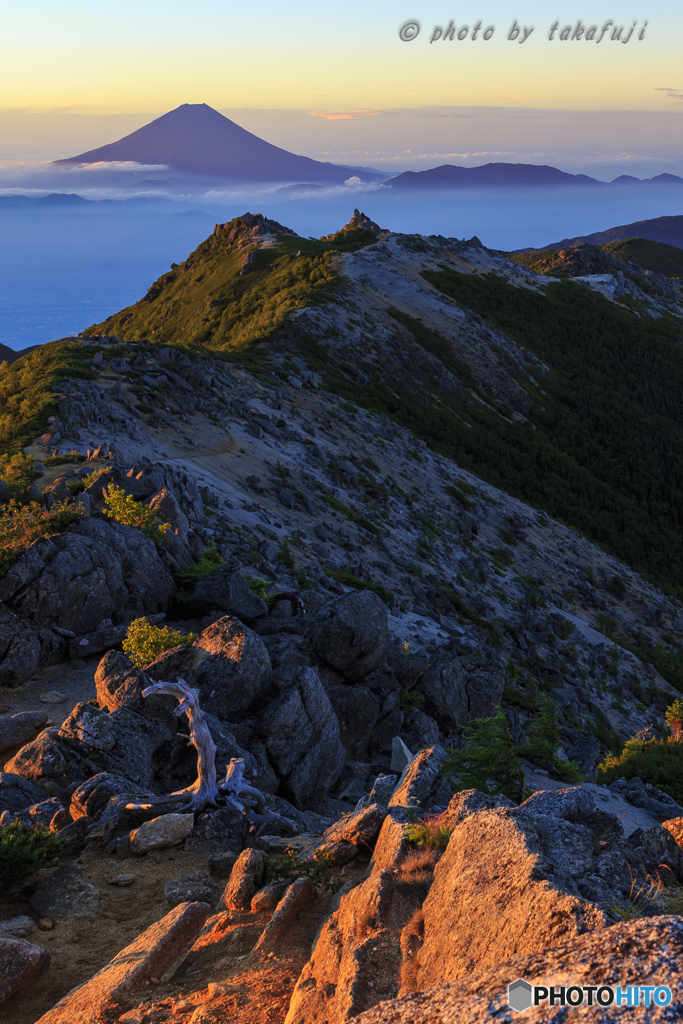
{"x": 206, "y": 302}
{"x": 657, "y": 257}
{"x": 27, "y": 398}
{"x": 602, "y": 448}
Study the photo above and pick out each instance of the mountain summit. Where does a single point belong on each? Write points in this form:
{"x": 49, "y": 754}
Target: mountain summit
{"x": 196, "y": 139}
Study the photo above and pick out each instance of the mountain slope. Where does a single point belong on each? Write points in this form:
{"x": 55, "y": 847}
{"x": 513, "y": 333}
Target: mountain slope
{"x": 195, "y": 138}
{"x": 660, "y": 229}
{"x": 654, "y": 257}
{"x": 547, "y": 389}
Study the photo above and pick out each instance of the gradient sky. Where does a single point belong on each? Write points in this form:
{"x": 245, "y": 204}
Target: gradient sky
{"x": 76, "y": 74}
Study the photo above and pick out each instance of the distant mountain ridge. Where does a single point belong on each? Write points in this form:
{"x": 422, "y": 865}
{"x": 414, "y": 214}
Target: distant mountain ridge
{"x": 659, "y": 229}
{"x": 196, "y": 139}
{"x": 501, "y": 174}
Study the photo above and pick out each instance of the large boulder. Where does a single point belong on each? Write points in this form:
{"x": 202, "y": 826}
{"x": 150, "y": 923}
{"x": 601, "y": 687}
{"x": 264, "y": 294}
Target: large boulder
{"x": 520, "y": 870}
{"x": 460, "y": 689}
{"x": 160, "y": 833}
{"x": 351, "y": 633}
{"x": 25, "y": 647}
{"x": 245, "y": 878}
{"x": 118, "y": 986}
{"x": 65, "y": 893}
{"x": 93, "y": 571}
{"x": 420, "y": 780}
{"x": 351, "y": 836}
{"x": 92, "y": 740}
{"x": 228, "y": 664}
{"x": 90, "y": 799}
{"x": 356, "y": 960}
{"x": 226, "y": 590}
{"x": 301, "y": 736}
{"x": 20, "y": 964}
{"x": 643, "y": 952}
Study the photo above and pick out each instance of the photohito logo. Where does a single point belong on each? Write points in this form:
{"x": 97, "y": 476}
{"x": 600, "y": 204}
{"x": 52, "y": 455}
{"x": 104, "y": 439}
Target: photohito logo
{"x": 522, "y": 995}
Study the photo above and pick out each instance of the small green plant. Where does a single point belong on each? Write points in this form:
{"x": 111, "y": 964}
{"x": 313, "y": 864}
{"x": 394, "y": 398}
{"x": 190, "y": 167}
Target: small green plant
{"x": 188, "y": 574}
{"x": 320, "y": 869}
{"x": 487, "y": 761}
{"x": 144, "y": 642}
{"x": 124, "y": 509}
{"x": 259, "y": 587}
{"x": 429, "y": 833}
{"x": 674, "y": 719}
{"x": 643, "y": 899}
{"x": 21, "y": 525}
{"x": 411, "y": 700}
{"x": 25, "y": 850}
{"x": 284, "y": 555}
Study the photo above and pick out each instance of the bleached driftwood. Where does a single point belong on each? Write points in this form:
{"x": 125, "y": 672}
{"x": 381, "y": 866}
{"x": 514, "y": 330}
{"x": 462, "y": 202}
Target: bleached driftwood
{"x": 205, "y": 792}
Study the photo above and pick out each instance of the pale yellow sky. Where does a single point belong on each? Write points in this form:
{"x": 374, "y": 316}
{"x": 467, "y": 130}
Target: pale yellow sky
{"x": 134, "y": 57}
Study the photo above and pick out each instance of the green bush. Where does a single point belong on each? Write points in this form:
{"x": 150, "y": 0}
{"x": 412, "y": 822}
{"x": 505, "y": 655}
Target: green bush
{"x": 25, "y": 850}
{"x": 145, "y": 642}
{"x": 487, "y": 761}
{"x": 21, "y": 525}
{"x": 410, "y": 700}
{"x": 124, "y": 509}
{"x": 188, "y": 574}
{"x": 428, "y": 833}
{"x": 659, "y": 762}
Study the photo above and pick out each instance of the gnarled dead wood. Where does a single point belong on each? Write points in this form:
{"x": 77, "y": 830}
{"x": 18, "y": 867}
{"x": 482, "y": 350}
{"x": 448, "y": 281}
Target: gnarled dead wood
{"x": 205, "y": 792}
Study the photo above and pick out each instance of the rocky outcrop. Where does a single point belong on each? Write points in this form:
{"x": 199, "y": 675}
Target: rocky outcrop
{"x": 351, "y": 836}
{"x": 645, "y": 952}
{"x": 16, "y": 730}
{"x": 356, "y": 960}
{"x": 90, "y": 741}
{"x": 93, "y": 571}
{"x": 227, "y": 591}
{"x": 458, "y": 689}
{"x": 420, "y": 781}
{"x": 228, "y": 664}
{"x": 301, "y": 736}
{"x": 25, "y": 646}
{"x": 351, "y": 634}
{"x": 522, "y": 869}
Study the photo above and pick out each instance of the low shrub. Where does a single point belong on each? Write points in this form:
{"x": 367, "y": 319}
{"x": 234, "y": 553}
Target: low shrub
{"x": 418, "y": 865}
{"x": 188, "y": 574}
{"x": 410, "y": 700}
{"x": 659, "y": 762}
{"x": 428, "y": 833}
{"x": 21, "y": 525}
{"x": 25, "y": 850}
{"x": 124, "y": 509}
{"x": 145, "y": 642}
